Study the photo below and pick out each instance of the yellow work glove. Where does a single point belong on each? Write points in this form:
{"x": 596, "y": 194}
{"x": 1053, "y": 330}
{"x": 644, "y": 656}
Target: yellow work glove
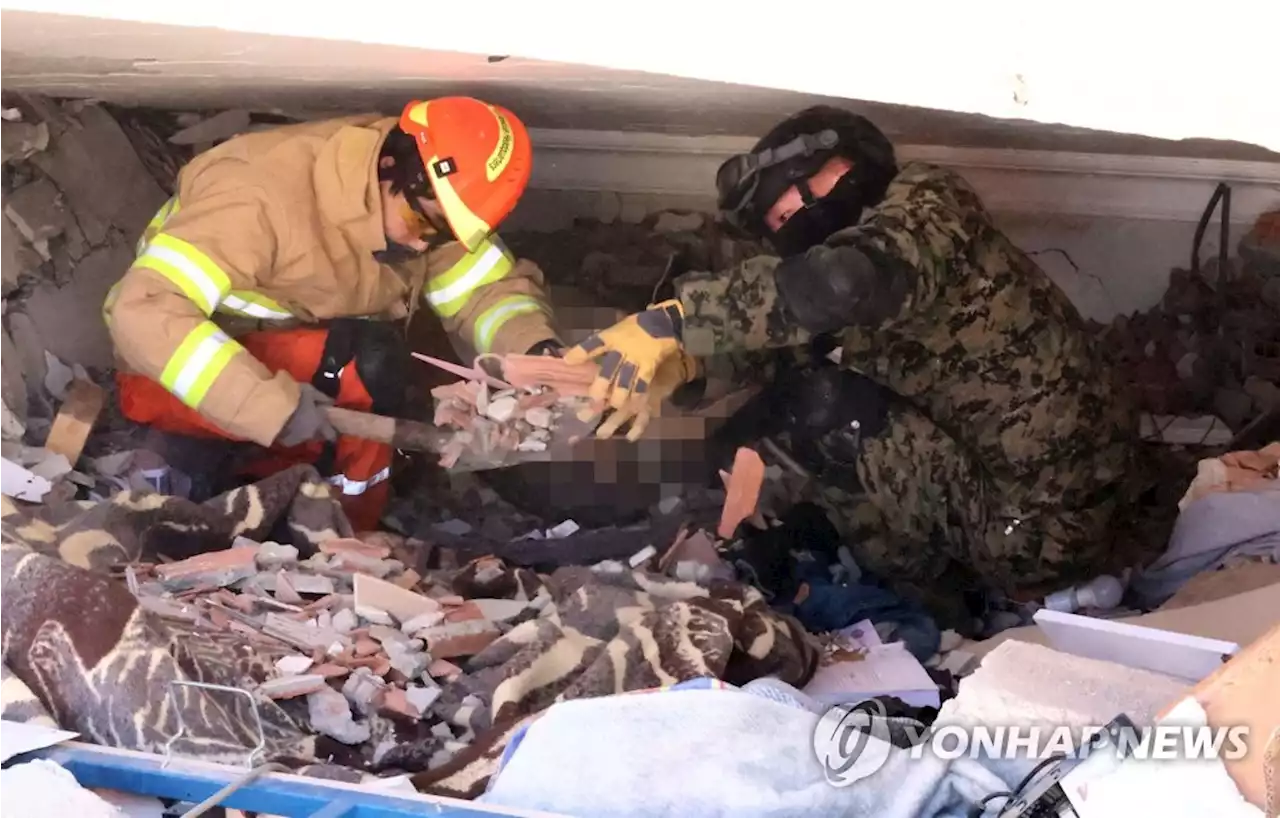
{"x": 629, "y": 354}
{"x": 671, "y": 375}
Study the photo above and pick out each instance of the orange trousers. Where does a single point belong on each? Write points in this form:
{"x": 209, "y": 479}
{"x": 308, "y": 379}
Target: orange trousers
{"x": 357, "y": 468}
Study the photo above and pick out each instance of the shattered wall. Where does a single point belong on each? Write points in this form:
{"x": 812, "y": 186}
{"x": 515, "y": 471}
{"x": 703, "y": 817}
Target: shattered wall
{"x": 76, "y": 197}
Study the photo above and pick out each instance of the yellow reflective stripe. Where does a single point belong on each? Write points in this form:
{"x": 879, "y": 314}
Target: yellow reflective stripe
{"x": 353, "y": 487}
{"x": 448, "y": 293}
{"x": 493, "y": 319}
{"x": 252, "y": 304}
{"x": 157, "y": 221}
{"x": 188, "y": 268}
{"x": 197, "y": 363}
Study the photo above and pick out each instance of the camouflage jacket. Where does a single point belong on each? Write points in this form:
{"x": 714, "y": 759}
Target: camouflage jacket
{"x": 983, "y": 342}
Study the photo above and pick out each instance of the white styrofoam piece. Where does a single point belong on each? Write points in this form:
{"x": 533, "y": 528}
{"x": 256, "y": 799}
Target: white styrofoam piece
{"x": 18, "y": 737}
{"x": 1190, "y": 658}
{"x": 1025, "y": 684}
{"x": 17, "y": 481}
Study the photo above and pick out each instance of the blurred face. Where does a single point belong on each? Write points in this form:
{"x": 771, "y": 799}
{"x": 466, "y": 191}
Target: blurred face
{"x": 820, "y": 183}
{"x": 414, "y": 225}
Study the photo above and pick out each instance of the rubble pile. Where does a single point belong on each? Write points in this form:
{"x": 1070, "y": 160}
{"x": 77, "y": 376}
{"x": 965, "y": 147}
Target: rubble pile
{"x": 1212, "y": 346}
{"x": 350, "y": 630}
{"x": 521, "y": 408}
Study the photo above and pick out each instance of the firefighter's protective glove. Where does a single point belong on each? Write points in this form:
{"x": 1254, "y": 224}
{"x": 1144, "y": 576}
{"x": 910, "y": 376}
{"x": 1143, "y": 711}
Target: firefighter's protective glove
{"x": 677, "y": 370}
{"x": 309, "y": 421}
{"x": 629, "y": 354}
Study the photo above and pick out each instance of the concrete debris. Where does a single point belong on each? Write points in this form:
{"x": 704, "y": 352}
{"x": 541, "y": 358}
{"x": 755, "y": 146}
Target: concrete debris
{"x": 421, "y": 698}
{"x": 274, "y": 555}
{"x": 406, "y": 661}
{"x": 22, "y": 140}
{"x": 526, "y": 413}
{"x": 37, "y": 212}
{"x": 330, "y": 714}
{"x": 500, "y": 610}
{"x": 294, "y": 664}
{"x": 58, "y": 376}
{"x": 214, "y": 129}
{"x": 375, "y": 615}
{"x": 18, "y": 482}
{"x": 291, "y": 687}
{"x": 422, "y": 621}
{"x": 345, "y": 621}
{"x": 93, "y": 163}
{"x": 455, "y": 527}
{"x": 362, "y": 688}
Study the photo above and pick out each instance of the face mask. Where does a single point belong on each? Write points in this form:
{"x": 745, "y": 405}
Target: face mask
{"x": 812, "y": 224}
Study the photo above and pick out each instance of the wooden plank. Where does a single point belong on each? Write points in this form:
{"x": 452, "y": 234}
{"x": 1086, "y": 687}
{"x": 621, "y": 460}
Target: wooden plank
{"x": 75, "y": 420}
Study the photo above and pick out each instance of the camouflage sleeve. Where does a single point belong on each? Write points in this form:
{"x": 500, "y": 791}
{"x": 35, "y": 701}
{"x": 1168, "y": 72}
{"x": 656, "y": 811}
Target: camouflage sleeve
{"x": 927, "y": 219}
{"x": 735, "y": 310}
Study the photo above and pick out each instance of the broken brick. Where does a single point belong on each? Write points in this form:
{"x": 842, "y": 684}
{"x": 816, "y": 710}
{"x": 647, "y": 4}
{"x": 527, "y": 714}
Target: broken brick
{"x": 214, "y": 569}
{"x": 329, "y": 670}
{"x": 408, "y": 580}
{"x": 366, "y": 647}
{"x": 401, "y": 603}
{"x": 465, "y": 612}
{"x": 348, "y": 545}
{"x": 742, "y": 491}
{"x": 460, "y": 639}
{"x": 444, "y": 669}
{"x": 394, "y": 702}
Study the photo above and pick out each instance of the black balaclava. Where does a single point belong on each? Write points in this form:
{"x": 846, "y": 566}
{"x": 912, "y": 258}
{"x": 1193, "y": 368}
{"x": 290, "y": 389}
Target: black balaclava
{"x": 788, "y": 155}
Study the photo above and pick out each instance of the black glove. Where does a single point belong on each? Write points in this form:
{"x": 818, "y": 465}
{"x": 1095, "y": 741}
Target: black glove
{"x": 828, "y": 288}
{"x": 308, "y": 421}
{"x": 829, "y": 414}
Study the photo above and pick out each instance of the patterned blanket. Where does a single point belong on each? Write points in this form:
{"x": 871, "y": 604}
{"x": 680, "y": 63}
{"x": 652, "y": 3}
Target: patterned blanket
{"x": 78, "y": 648}
{"x": 603, "y": 632}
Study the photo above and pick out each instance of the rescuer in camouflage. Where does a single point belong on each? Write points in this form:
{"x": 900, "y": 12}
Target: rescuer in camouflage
{"x": 972, "y": 434}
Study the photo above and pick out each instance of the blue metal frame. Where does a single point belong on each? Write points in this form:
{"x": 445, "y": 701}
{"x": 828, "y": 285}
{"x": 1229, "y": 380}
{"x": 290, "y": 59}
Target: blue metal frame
{"x": 275, "y": 794}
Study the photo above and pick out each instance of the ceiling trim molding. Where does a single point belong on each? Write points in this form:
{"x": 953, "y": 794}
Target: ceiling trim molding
{"x": 1009, "y": 181}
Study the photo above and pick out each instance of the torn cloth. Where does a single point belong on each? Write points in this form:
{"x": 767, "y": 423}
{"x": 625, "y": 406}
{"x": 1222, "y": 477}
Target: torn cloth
{"x": 607, "y": 632}
{"x": 78, "y": 644}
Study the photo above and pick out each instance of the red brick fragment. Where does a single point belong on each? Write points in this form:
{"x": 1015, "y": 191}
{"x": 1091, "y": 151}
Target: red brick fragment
{"x": 350, "y": 545}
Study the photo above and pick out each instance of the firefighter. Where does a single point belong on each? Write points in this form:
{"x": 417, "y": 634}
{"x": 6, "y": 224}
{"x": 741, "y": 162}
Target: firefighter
{"x": 307, "y": 232}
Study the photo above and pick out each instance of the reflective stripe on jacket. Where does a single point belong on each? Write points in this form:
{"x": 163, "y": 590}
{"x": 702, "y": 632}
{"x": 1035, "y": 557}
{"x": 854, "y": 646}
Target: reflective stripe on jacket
{"x": 283, "y": 224}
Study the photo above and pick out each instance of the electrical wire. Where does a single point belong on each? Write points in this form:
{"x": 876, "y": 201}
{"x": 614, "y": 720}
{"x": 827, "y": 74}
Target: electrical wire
{"x": 243, "y": 781}
{"x": 1010, "y": 795}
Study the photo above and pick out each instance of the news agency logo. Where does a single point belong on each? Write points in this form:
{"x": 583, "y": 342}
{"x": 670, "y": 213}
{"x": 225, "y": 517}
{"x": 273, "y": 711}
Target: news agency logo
{"x": 852, "y": 742}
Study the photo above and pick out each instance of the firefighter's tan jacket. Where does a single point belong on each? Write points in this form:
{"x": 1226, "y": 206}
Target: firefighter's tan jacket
{"x": 282, "y": 226}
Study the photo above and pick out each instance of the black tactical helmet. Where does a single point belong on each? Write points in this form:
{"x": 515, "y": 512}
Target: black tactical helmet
{"x": 796, "y": 148}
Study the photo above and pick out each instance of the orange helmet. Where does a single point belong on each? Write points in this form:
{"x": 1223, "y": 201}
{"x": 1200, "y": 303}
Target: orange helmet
{"x": 478, "y": 159}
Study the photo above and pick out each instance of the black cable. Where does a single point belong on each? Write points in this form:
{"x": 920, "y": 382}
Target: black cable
{"x": 977, "y": 809}
{"x": 1221, "y": 193}
{"x": 1009, "y": 795}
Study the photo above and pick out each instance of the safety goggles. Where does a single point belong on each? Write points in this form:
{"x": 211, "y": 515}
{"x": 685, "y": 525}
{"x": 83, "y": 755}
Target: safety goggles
{"x": 430, "y": 227}
{"x": 738, "y": 178}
